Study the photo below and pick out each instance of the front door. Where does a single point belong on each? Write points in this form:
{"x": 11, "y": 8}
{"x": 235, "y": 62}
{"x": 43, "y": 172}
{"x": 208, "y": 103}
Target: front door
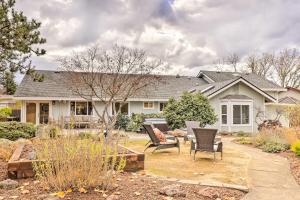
{"x": 31, "y": 113}
{"x": 44, "y": 113}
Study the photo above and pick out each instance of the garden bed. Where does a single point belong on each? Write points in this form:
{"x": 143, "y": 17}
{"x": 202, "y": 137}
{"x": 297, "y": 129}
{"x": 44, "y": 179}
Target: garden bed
{"x": 20, "y": 163}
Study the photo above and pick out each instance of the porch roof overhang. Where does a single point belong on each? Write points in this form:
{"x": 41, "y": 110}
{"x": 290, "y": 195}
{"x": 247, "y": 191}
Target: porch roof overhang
{"x": 80, "y": 99}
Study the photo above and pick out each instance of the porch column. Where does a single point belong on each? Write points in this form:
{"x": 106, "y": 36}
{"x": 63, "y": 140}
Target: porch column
{"x": 23, "y": 111}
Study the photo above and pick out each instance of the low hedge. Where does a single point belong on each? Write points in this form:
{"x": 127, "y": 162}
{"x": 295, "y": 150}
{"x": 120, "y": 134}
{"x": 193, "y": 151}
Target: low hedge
{"x": 16, "y": 130}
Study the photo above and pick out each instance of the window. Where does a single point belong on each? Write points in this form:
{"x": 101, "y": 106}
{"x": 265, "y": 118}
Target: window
{"x": 148, "y": 105}
{"x": 81, "y": 108}
{"x": 224, "y": 114}
{"x": 241, "y": 114}
{"x": 162, "y": 106}
{"x": 124, "y": 109}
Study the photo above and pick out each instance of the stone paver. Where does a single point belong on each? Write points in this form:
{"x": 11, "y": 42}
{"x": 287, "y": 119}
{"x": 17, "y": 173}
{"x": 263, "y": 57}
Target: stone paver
{"x": 269, "y": 176}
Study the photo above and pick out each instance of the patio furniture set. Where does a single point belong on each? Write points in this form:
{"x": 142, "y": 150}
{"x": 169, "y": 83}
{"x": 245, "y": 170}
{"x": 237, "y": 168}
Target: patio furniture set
{"x": 201, "y": 139}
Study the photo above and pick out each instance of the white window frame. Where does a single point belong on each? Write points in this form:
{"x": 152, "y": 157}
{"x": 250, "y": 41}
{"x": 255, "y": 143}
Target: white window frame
{"x": 87, "y": 108}
{"x": 148, "y": 108}
{"x": 230, "y": 104}
{"x": 221, "y": 114}
{"x": 241, "y": 114}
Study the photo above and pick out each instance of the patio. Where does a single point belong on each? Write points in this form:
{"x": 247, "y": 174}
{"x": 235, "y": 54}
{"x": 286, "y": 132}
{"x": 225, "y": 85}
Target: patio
{"x": 168, "y": 163}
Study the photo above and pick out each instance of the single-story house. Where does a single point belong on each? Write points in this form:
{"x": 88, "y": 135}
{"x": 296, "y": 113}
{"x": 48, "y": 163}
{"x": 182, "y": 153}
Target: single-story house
{"x": 240, "y": 100}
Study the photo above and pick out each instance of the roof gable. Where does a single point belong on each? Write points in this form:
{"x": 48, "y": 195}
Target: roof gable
{"x": 254, "y": 79}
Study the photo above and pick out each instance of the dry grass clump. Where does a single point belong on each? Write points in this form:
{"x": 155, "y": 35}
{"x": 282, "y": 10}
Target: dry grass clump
{"x": 293, "y": 114}
{"x": 6, "y": 150}
{"x": 71, "y": 162}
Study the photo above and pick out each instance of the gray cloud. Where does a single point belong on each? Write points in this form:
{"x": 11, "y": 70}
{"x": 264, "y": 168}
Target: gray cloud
{"x": 184, "y": 33}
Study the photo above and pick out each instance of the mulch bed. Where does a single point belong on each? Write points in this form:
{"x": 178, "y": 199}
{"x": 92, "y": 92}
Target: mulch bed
{"x": 129, "y": 186}
{"x": 294, "y": 164}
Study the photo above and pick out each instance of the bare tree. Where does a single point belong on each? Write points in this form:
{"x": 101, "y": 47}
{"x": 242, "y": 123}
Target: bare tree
{"x": 109, "y": 76}
{"x": 287, "y": 67}
{"x": 233, "y": 60}
{"x": 260, "y": 65}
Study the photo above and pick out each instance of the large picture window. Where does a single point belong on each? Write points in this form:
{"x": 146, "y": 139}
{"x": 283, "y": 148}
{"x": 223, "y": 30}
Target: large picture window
{"x": 241, "y": 114}
{"x": 124, "y": 109}
{"x": 81, "y": 108}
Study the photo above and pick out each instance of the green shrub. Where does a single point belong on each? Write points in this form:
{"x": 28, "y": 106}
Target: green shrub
{"x": 5, "y": 112}
{"x": 244, "y": 140}
{"x": 190, "y": 107}
{"x": 296, "y": 148}
{"x": 122, "y": 121}
{"x": 273, "y": 147}
{"x": 15, "y": 130}
{"x": 136, "y": 120}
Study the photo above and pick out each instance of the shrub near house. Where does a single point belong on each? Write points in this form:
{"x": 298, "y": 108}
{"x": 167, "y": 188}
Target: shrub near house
{"x": 16, "y": 130}
{"x": 190, "y": 107}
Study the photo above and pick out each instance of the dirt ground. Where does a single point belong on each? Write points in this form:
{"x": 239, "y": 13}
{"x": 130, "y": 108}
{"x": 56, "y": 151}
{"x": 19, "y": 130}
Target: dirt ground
{"x": 129, "y": 186}
{"x": 294, "y": 164}
{"x": 232, "y": 169}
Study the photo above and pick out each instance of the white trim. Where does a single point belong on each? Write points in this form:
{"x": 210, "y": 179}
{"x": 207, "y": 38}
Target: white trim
{"x": 280, "y": 104}
{"x": 274, "y": 90}
{"x": 206, "y": 76}
{"x": 246, "y": 83}
{"x": 221, "y": 115}
{"x": 206, "y": 89}
{"x": 148, "y": 108}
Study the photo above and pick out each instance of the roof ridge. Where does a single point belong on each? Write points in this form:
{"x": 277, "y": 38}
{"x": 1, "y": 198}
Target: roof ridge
{"x": 165, "y": 75}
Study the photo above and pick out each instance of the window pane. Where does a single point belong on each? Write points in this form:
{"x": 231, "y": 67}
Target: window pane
{"x": 224, "y": 119}
{"x": 124, "y": 109}
{"x": 90, "y": 108}
{"x": 236, "y": 114}
{"x": 72, "y": 107}
{"x": 148, "y": 105}
{"x": 245, "y": 114}
{"x": 224, "y": 109}
{"x": 162, "y": 106}
{"x": 81, "y": 108}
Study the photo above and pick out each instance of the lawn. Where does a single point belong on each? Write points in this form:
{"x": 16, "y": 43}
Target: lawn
{"x": 232, "y": 169}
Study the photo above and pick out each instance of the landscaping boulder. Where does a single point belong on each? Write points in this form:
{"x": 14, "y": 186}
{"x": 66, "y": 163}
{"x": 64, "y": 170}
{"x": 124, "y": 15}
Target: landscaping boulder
{"x": 173, "y": 190}
{"x": 9, "y": 184}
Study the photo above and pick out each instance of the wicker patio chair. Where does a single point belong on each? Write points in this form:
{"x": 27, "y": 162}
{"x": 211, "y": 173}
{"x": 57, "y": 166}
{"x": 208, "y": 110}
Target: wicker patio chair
{"x": 171, "y": 142}
{"x": 205, "y": 141}
{"x": 190, "y": 133}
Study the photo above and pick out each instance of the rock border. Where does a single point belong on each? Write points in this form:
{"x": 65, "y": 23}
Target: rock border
{"x": 201, "y": 183}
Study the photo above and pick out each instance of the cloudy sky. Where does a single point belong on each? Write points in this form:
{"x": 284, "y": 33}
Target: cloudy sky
{"x": 187, "y": 34}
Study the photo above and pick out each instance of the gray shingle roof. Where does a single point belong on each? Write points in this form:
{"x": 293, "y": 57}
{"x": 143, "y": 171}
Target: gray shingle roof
{"x": 256, "y": 80}
{"x": 289, "y": 100}
{"x": 53, "y": 85}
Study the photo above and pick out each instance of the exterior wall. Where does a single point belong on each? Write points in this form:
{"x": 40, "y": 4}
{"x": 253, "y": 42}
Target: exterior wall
{"x": 137, "y": 107}
{"x": 256, "y": 105}
{"x": 272, "y": 112}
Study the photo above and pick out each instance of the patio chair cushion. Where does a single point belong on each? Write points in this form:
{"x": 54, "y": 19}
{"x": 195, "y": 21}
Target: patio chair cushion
{"x": 159, "y": 135}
